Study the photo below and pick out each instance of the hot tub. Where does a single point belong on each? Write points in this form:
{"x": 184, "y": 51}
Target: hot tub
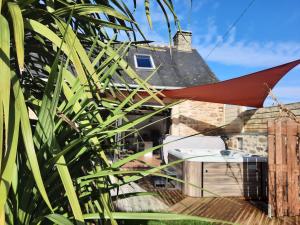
{"x": 219, "y": 172}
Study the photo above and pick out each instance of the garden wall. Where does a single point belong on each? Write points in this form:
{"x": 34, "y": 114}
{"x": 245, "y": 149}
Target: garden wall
{"x": 244, "y": 129}
{"x": 255, "y": 120}
{"x": 249, "y": 130}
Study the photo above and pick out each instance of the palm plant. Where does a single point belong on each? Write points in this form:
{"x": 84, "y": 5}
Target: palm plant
{"x": 59, "y": 105}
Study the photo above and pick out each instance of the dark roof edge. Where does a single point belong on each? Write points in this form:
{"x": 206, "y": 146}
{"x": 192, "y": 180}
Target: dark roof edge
{"x": 212, "y": 74}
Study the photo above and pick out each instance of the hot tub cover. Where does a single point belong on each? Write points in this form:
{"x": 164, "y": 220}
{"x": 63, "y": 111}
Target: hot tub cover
{"x": 206, "y": 144}
{"x": 249, "y": 90}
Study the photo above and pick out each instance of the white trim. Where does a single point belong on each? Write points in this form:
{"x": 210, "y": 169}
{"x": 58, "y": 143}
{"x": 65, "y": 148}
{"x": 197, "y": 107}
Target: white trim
{"x": 154, "y": 86}
{"x": 144, "y": 68}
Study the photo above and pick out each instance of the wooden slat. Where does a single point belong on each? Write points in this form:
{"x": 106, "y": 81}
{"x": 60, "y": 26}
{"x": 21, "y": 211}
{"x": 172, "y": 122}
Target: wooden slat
{"x": 192, "y": 174}
{"x": 292, "y": 168}
{"x": 234, "y": 210}
{"x": 277, "y": 167}
{"x": 298, "y": 149}
{"x": 279, "y": 173}
{"x": 232, "y": 179}
{"x": 284, "y": 168}
{"x": 271, "y": 163}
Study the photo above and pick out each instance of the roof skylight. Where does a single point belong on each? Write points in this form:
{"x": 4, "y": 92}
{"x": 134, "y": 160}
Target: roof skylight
{"x": 143, "y": 61}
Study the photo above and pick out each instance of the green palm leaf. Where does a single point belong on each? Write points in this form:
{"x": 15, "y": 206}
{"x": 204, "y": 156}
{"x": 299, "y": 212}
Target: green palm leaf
{"x": 18, "y": 25}
{"x": 59, "y": 111}
{"x": 5, "y": 81}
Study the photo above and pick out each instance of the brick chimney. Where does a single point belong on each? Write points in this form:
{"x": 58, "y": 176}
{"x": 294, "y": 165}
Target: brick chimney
{"x": 183, "y": 41}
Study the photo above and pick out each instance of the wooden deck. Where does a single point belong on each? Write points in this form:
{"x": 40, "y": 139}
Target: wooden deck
{"x": 143, "y": 163}
{"x": 235, "y": 210}
{"x": 168, "y": 196}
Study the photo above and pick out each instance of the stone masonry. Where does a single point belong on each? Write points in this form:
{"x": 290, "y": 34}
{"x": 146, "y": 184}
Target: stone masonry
{"x": 183, "y": 41}
{"x": 192, "y": 117}
{"x": 250, "y": 129}
{"x": 246, "y": 129}
{"x": 253, "y": 143}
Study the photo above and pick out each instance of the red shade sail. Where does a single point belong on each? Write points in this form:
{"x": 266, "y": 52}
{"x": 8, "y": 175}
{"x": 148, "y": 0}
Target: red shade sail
{"x": 249, "y": 90}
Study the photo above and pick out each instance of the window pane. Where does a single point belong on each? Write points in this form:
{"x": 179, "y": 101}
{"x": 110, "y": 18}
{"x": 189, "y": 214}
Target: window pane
{"x": 144, "y": 61}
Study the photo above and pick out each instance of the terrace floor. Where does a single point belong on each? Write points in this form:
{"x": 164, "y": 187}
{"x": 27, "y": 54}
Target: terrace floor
{"x": 235, "y": 210}
{"x": 143, "y": 163}
{"x": 232, "y": 209}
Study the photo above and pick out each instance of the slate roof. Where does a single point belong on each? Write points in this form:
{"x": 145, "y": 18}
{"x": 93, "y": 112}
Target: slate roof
{"x": 182, "y": 69}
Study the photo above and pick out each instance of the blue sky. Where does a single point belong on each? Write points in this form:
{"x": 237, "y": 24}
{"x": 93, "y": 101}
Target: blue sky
{"x": 267, "y": 35}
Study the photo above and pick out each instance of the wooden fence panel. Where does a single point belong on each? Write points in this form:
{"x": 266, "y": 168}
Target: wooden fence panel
{"x": 278, "y": 165}
{"x": 283, "y": 162}
{"x": 271, "y": 168}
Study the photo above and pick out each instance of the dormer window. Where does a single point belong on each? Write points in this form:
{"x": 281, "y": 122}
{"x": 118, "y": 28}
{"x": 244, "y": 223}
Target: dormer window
{"x": 143, "y": 61}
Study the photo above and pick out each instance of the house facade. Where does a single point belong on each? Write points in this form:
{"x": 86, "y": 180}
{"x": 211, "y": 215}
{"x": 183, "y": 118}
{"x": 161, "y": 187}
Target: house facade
{"x": 178, "y": 67}
{"x": 182, "y": 67}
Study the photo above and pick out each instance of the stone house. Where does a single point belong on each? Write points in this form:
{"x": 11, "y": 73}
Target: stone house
{"x": 181, "y": 67}
{"x": 242, "y": 128}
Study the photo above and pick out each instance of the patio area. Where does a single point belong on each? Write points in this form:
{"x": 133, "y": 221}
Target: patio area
{"x": 143, "y": 163}
{"x": 236, "y": 210}
{"x": 232, "y": 209}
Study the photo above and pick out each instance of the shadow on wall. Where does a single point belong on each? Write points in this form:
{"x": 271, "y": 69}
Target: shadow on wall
{"x": 198, "y": 126}
{"x": 246, "y": 132}
{"x": 195, "y": 126}
{"x": 253, "y": 139}
{"x": 237, "y": 125}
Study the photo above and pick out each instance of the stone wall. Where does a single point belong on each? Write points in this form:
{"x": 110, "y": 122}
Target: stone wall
{"x": 191, "y": 117}
{"x": 246, "y": 129}
{"x": 255, "y": 120}
{"x": 249, "y": 130}
{"x": 253, "y": 143}
{"x": 231, "y": 117}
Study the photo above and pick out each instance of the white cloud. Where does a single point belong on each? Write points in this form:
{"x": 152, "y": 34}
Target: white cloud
{"x": 244, "y": 52}
{"x": 248, "y": 53}
{"x": 199, "y": 4}
{"x": 284, "y": 94}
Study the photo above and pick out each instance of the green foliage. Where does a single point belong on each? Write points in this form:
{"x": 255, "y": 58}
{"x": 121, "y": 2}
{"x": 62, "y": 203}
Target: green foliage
{"x": 59, "y": 107}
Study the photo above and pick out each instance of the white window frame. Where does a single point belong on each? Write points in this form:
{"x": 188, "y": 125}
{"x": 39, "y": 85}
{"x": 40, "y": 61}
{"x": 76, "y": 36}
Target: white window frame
{"x": 144, "y": 68}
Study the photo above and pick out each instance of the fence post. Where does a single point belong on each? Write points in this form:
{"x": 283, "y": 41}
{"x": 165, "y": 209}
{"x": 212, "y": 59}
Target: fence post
{"x": 283, "y": 168}
{"x": 280, "y": 155}
{"x": 271, "y": 169}
{"x": 292, "y": 169}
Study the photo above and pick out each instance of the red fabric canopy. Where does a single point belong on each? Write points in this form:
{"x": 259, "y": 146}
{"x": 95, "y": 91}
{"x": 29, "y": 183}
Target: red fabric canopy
{"x": 249, "y": 90}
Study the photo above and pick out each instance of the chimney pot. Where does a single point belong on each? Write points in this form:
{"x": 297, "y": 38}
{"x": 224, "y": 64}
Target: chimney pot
{"x": 183, "y": 41}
